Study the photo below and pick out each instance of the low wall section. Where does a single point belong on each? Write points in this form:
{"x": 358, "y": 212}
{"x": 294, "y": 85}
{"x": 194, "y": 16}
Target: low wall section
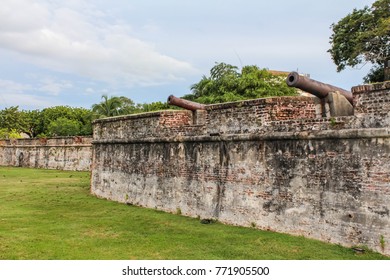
{"x": 274, "y": 163}
{"x": 70, "y": 153}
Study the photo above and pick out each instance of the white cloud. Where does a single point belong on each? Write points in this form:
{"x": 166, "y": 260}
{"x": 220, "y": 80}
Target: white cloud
{"x": 12, "y": 87}
{"x": 16, "y": 94}
{"x": 23, "y": 100}
{"x": 19, "y": 16}
{"x": 26, "y": 95}
{"x": 89, "y": 91}
{"x": 74, "y": 37}
{"x": 53, "y": 87}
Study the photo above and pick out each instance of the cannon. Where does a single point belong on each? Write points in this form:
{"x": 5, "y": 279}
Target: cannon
{"x": 314, "y": 87}
{"x": 186, "y": 104}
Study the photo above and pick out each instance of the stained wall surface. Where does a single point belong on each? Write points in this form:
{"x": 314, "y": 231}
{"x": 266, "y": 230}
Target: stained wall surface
{"x": 274, "y": 163}
{"x": 70, "y": 153}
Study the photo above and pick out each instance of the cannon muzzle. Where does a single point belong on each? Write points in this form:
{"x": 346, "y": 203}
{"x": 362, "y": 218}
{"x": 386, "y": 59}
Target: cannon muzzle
{"x": 186, "y": 104}
{"x": 314, "y": 87}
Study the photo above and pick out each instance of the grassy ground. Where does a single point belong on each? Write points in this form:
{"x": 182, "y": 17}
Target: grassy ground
{"x": 51, "y": 215}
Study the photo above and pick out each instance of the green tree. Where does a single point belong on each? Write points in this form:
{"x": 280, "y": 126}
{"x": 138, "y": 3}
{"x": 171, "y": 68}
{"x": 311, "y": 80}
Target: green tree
{"x": 84, "y": 117}
{"x": 113, "y": 106}
{"x": 39, "y": 123}
{"x": 363, "y": 36}
{"x": 226, "y": 83}
{"x": 11, "y": 119}
{"x": 29, "y": 122}
{"x": 127, "y": 106}
{"x": 48, "y": 115}
{"x": 63, "y": 127}
{"x": 80, "y": 115}
{"x": 32, "y": 123}
{"x": 41, "y": 120}
{"x": 154, "y": 106}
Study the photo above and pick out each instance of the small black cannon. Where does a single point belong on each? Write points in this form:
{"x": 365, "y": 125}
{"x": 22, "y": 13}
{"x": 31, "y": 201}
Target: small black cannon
{"x": 314, "y": 87}
{"x": 186, "y": 104}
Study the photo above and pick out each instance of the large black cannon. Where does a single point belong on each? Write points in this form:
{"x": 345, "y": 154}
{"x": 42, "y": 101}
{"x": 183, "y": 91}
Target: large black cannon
{"x": 314, "y": 87}
{"x": 186, "y": 104}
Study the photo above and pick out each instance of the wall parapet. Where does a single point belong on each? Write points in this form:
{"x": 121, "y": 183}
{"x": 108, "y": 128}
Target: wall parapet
{"x": 55, "y": 141}
{"x": 249, "y": 116}
{"x": 361, "y": 89}
{"x": 265, "y": 115}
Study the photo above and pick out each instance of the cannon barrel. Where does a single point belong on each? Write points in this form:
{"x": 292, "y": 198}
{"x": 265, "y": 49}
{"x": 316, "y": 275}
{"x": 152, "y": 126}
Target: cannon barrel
{"x": 314, "y": 87}
{"x": 186, "y": 104}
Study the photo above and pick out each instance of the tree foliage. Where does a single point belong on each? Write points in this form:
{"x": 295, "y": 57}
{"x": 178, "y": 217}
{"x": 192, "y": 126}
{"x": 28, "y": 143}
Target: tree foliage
{"x": 226, "y": 83}
{"x": 363, "y": 36}
{"x": 80, "y": 115}
{"x": 112, "y": 106}
{"x": 65, "y": 120}
{"x": 45, "y": 122}
{"x": 9, "y": 134}
{"x": 151, "y": 107}
{"x": 11, "y": 119}
{"x": 63, "y": 127}
{"x": 32, "y": 123}
{"x": 117, "y": 106}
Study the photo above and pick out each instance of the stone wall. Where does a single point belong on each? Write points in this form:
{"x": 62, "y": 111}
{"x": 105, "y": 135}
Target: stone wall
{"x": 70, "y": 153}
{"x": 274, "y": 163}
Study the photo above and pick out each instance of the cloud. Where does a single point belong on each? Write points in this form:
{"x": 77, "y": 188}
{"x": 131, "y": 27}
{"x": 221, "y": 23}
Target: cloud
{"x": 12, "y": 87}
{"x": 17, "y": 94}
{"x": 24, "y": 101}
{"x": 74, "y": 37}
{"x": 20, "y": 16}
{"x": 89, "y": 91}
{"x": 24, "y": 94}
{"x": 53, "y": 87}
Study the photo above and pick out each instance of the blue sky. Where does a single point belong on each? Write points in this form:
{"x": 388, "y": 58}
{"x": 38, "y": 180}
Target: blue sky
{"x": 71, "y": 52}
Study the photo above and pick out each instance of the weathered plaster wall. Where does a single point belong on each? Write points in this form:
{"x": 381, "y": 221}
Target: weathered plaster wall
{"x": 271, "y": 162}
{"x": 71, "y": 153}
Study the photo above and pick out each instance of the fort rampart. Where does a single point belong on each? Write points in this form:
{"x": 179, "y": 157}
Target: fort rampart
{"x": 69, "y": 153}
{"x": 283, "y": 164}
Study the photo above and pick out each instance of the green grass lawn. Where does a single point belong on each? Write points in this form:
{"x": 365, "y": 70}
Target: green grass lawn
{"x": 49, "y": 214}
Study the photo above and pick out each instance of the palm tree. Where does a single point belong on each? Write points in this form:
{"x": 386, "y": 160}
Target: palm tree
{"x": 109, "y": 107}
{"x": 203, "y": 88}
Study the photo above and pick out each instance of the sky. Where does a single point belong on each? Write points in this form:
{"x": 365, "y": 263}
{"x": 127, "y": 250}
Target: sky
{"x": 56, "y": 52}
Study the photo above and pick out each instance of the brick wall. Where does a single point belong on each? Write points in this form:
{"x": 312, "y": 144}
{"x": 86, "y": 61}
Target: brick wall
{"x": 372, "y": 105}
{"x": 254, "y": 115}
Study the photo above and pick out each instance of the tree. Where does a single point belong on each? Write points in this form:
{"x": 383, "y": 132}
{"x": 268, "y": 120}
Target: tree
{"x": 63, "y": 127}
{"x": 226, "y": 83}
{"x": 80, "y": 115}
{"x": 84, "y": 117}
{"x": 113, "y": 106}
{"x": 32, "y": 123}
{"x": 152, "y": 107}
{"x": 127, "y": 106}
{"x": 41, "y": 123}
{"x": 11, "y": 119}
{"x": 363, "y": 36}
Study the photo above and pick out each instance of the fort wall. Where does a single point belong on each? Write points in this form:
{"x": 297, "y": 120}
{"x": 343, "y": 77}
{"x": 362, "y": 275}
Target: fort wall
{"x": 69, "y": 153}
{"x": 275, "y": 163}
